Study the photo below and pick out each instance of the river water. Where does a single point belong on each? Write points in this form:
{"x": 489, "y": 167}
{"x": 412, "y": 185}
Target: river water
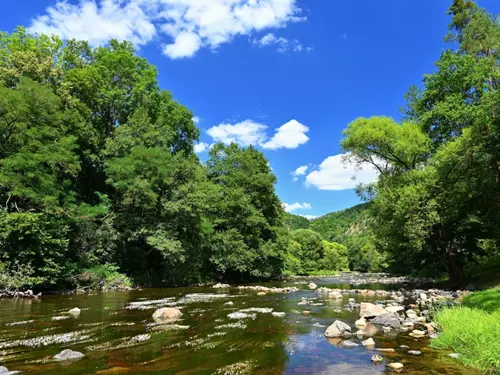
{"x": 117, "y": 334}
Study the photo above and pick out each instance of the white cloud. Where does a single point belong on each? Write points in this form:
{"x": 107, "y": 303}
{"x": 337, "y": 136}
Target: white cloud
{"x": 283, "y": 44}
{"x": 338, "y": 173}
{"x": 310, "y": 217}
{"x": 300, "y": 171}
{"x": 249, "y": 132}
{"x": 296, "y": 206}
{"x": 97, "y": 23}
{"x": 244, "y": 133}
{"x": 183, "y": 27}
{"x": 196, "y": 119}
{"x": 290, "y": 135}
{"x": 201, "y": 147}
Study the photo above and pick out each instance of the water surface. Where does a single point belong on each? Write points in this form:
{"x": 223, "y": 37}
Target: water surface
{"x": 117, "y": 334}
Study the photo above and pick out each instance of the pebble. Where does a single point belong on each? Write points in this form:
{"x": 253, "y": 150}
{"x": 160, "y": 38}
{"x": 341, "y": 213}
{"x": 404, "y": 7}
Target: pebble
{"x": 376, "y": 358}
{"x": 414, "y": 352}
{"x": 396, "y": 366}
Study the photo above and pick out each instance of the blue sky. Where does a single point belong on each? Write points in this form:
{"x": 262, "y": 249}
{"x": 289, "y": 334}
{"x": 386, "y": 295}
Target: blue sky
{"x": 284, "y": 75}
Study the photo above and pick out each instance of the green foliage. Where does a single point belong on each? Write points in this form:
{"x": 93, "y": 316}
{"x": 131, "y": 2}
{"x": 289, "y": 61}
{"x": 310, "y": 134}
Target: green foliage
{"x": 103, "y": 277}
{"x": 294, "y": 222}
{"x": 311, "y": 250}
{"x": 472, "y": 333}
{"x": 97, "y": 167}
{"x": 487, "y": 300}
{"x": 335, "y": 257}
{"x": 16, "y": 277}
{"x": 436, "y": 201}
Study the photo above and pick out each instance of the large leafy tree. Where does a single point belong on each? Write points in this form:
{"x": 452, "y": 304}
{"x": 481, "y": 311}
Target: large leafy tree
{"x": 247, "y": 214}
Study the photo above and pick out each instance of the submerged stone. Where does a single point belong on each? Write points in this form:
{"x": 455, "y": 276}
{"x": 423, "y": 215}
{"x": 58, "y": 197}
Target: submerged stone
{"x": 68, "y": 355}
{"x": 337, "y": 329}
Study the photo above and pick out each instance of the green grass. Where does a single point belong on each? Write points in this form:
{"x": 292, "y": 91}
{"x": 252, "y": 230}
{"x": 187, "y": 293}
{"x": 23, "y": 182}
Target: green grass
{"x": 473, "y": 330}
{"x": 487, "y": 300}
{"x": 322, "y": 273}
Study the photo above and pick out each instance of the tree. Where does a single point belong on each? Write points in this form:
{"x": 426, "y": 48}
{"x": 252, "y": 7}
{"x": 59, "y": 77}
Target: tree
{"x": 311, "y": 250}
{"x": 247, "y": 214}
{"x": 335, "y": 258}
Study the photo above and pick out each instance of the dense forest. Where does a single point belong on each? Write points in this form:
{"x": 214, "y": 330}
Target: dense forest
{"x": 100, "y": 186}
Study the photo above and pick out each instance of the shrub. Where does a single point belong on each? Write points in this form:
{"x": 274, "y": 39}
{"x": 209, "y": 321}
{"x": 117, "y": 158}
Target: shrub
{"x": 103, "y": 277}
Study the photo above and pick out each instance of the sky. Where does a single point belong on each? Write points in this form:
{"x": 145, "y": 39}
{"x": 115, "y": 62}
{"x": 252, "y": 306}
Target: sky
{"x": 286, "y": 76}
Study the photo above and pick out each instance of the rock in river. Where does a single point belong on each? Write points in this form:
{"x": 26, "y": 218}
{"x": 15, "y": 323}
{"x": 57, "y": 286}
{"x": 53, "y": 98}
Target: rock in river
{"x": 369, "y": 310}
{"x": 387, "y": 320}
{"x": 5, "y": 371}
{"x": 68, "y": 355}
{"x": 76, "y": 311}
{"x": 338, "y": 329}
{"x": 312, "y": 286}
{"x": 396, "y": 366}
{"x": 335, "y": 295}
{"x": 167, "y": 314}
{"x": 368, "y": 343}
{"x": 376, "y": 358}
{"x": 394, "y": 309}
{"x": 221, "y": 286}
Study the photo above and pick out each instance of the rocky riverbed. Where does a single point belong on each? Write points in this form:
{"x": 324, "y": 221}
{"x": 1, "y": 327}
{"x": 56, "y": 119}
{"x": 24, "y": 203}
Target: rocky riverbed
{"x": 307, "y": 326}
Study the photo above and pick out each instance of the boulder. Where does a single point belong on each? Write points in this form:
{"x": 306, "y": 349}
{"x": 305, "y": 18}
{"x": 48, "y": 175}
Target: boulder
{"x": 387, "y": 320}
{"x": 337, "y": 329}
{"x": 369, "y": 310}
{"x": 68, "y": 355}
{"x": 349, "y": 344}
{"x": 167, "y": 314}
{"x": 221, "y": 286}
{"x": 335, "y": 295}
{"x": 278, "y": 314}
{"x": 5, "y": 371}
{"x": 396, "y": 366}
{"x": 429, "y": 327}
{"x": 361, "y": 322}
{"x": 75, "y": 311}
{"x": 368, "y": 343}
{"x": 394, "y": 309}
{"x": 312, "y": 286}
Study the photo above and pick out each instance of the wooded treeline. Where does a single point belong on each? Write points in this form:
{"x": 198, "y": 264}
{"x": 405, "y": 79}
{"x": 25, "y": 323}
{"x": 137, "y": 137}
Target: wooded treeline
{"x": 98, "y": 178}
{"x": 436, "y": 205}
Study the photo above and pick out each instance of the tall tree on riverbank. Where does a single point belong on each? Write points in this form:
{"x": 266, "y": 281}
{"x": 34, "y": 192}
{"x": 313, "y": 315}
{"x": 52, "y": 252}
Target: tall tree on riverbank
{"x": 437, "y": 199}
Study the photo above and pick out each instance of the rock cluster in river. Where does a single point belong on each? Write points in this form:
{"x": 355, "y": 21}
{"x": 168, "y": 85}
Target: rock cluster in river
{"x": 19, "y": 294}
{"x": 265, "y": 289}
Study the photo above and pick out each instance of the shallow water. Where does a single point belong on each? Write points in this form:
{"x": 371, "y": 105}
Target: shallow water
{"x": 118, "y": 335}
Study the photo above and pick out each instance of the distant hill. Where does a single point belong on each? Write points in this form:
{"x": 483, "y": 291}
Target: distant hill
{"x": 294, "y": 222}
{"x": 336, "y": 226}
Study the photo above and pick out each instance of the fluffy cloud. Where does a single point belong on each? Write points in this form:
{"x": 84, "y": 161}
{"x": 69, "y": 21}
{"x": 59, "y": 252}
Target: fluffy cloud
{"x": 282, "y": 44}
{"x": 196, "y": 119}
{"x": 249, "y": 132}
{"x": 244, "y": 133}
{"x": 310, "y": 217}
{"x": 296, "y": 206}
{"x": 97, "y": 23}
{"x": 201, "y": 147}
{"x": 290, "y": 135}
{"x": 300, "y": 171}
{"x": 183, "y": 27}
{"x": 338, "y": 173}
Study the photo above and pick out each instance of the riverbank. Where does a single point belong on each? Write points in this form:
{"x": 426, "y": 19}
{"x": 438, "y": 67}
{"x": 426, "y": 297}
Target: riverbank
{"x": 472, "y": 330}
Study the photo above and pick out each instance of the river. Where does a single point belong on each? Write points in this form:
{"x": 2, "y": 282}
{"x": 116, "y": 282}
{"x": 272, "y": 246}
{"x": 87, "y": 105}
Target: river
{"x": 117, "y": 334}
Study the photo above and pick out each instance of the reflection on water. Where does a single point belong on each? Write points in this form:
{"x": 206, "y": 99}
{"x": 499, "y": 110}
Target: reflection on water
{"x": 118, "y": 335}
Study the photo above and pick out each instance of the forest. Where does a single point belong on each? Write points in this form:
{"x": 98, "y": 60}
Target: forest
{"x": 100, "y": 186}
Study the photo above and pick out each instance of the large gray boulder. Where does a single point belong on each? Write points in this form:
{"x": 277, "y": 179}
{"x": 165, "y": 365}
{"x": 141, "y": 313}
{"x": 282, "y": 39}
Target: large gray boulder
{"x": 166, "y": 314}
{"x": 68, "y": 355}
{"x": 5, "y": 371}
{"x": 369, "y": 310}
{"x": 338, "y": 329}
{"x": 387, "y": 320}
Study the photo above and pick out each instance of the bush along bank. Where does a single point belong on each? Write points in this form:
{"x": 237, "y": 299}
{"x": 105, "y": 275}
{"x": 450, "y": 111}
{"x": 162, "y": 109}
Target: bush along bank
{"x": 472, "y": 330}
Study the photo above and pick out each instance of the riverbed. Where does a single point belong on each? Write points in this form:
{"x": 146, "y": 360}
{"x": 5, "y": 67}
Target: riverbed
{"x": 116, "y": 333}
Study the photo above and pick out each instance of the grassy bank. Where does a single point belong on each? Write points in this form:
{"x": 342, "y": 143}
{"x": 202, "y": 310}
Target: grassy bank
{"x": 473, "y": 330}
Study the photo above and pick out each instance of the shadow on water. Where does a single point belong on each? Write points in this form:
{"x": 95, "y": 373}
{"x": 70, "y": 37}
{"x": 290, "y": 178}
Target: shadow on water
{"x": 120, "y": 337}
